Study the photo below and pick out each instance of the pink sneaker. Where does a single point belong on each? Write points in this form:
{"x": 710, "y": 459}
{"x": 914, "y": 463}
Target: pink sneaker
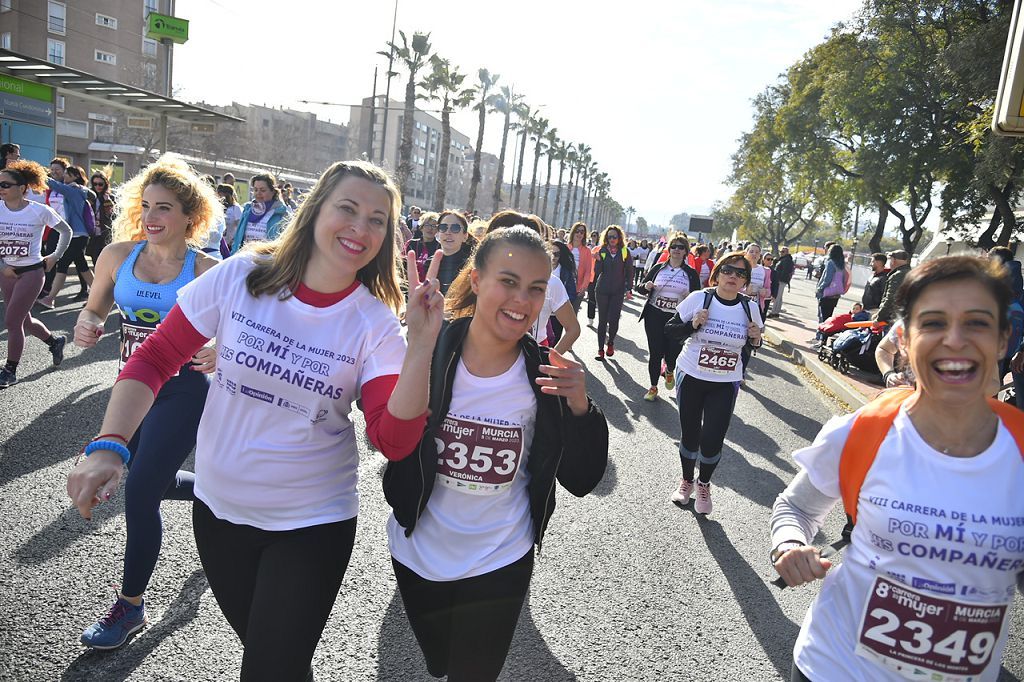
{"x": 681, "y": 496}
{"x": 702, "y": 505}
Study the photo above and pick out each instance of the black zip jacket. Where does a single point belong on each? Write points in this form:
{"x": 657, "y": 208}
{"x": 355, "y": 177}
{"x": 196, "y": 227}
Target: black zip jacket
{"x": 573, "y": 450}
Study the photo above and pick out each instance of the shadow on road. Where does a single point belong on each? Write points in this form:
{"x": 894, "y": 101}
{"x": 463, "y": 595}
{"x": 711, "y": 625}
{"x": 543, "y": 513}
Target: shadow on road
{"x": 774, "y": 631}
{"x": 118, "y": 665}
{"x": 60, "y": 534}
{"x": 399, "y": 656}
{"x": 754, "y": 483}
{"x": 800, "y": 424}
{"x": 615, "y": 411}
{"x": 609, "y": 481}
{"x": 55, "y": 435}
{"x": 741, "y": 432}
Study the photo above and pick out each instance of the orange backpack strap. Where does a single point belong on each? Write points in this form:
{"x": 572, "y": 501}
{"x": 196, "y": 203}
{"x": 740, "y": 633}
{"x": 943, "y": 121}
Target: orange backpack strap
{"x": 869, "y": 429}
{"x": 1013, "y": 420}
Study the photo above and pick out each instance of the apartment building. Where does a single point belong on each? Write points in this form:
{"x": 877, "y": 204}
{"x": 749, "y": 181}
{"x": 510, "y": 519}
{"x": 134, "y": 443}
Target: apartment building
{"x": 105, "y": 38}
{"x": 422, "y": 185}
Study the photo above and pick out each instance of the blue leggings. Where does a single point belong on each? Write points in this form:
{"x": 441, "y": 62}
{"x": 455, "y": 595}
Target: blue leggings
{"x": 160, "y": 445}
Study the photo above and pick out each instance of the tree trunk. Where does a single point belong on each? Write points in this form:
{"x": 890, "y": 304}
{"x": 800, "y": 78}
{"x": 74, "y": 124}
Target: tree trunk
{"x": 1002, "y": 215}
{"x": 533, "y": 179}
{"x": 575, "y": 195}
{"x": 445, "y": 151}
{"x": 558, "y": 193}
{"x": 519, "y": 174}
{"x": 547, "y": 191}
{"x": 404, "y": 169}
{"x": 501, "y": 162}
{"x": 569, "y": 189}
{"x": 477, "y": 160}
{"x": 875, "y": 244}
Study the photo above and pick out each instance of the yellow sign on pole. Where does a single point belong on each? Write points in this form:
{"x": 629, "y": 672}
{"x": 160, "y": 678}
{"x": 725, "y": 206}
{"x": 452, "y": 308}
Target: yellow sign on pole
{"x": 1008, "y": 117}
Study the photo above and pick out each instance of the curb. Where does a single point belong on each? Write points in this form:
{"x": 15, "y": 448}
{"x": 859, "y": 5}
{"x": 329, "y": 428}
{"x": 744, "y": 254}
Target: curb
{"x": 824, "y": 374}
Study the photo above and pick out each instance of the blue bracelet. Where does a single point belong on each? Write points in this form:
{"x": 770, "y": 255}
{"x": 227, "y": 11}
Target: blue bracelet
{"x": 110, "y": 445}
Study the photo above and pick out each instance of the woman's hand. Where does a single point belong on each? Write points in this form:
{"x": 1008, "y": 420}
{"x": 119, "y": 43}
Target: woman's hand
{"x": 648, "y": 285}
{"x": 802, "y": 565}
{"x": 425, "y": 310}
{"x": 94, "y": 479}
{"x": 699, "y": 318}
{"x": 87, "y": 333}
{"x": 205, "y": 360}
{"x": 754, "y": 333}
{"x": 567, "y": 379}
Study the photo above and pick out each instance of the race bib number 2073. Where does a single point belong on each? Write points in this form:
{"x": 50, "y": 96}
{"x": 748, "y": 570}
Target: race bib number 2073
{"x": 923, "y": 637}
{"x": 477, "y": 458}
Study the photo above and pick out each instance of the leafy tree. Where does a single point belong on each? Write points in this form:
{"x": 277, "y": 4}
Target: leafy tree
{"x": 506, "y": 103}
{"x": 444, "y": 85}
{"x": 483, "y": 107}
{"x": 414, "y": 56}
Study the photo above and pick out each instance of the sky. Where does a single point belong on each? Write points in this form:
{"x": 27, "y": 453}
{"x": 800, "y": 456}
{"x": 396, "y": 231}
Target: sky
{"x": 660, "y": 90}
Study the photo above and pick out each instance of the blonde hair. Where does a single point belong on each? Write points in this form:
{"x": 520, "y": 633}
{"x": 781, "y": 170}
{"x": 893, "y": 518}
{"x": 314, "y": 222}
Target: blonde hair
{"x": 198, "y": 201}
{"x": 281, "y": 263}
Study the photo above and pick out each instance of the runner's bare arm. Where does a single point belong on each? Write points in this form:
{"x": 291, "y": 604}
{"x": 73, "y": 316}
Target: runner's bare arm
{"x": 89, "y": 327}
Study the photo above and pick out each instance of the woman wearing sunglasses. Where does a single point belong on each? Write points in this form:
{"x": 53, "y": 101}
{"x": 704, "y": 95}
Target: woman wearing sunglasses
{"x": 584, "y": 259}
{"x": 22, "y": 266}
{"x": 709, "y": 370}
{"x": 667, "y": 284}
{"x": 452, "y": 232}
{"x": 613, "y": 276}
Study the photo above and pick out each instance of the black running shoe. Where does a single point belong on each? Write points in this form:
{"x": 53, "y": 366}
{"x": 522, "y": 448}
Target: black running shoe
{"x": 57, "y": 349}
{"x": 7, "y": 377}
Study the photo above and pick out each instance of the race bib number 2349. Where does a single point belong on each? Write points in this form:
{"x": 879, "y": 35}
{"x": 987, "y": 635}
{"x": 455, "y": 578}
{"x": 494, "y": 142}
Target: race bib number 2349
{"x": 924, "y": 637}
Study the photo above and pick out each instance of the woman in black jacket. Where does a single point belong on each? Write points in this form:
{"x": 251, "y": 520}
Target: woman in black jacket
{"x": 507, "y": 419}
{"x": 613, "y": 277}
{"x": 667, "y": 284}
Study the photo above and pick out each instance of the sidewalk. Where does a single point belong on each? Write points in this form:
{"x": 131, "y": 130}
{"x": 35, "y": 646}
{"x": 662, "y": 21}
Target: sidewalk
{"x": 793, "y": 331}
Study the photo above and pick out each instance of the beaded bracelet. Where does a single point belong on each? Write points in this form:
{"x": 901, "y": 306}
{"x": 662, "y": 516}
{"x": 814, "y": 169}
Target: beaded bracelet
{"x": 110, "y": 445}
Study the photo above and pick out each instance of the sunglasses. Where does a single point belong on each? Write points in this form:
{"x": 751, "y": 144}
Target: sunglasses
{"x": 454, "y": 228}
{"x": 97, "y": 183}
{"x": 677, "y": 247}
{"x": 733, "y": 270}
{"x": 8, "y": 185}
{"x": 613, "y": 236}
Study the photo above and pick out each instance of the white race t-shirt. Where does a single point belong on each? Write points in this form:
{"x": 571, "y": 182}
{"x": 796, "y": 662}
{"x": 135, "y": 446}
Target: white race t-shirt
{"x": 932, "y": 569}
{"x": 477, "y": 519}
{"x": 232, "y": 216}
{"x": 555, "y": 297}
{"x": 212, "y": 247}
{"x": 757, "y": 277}
{"x": 256, "y": 229}
{"x": 56, "y": 202}
{"x": 576, "y": 257}
{"x": 712, "y": 353}
{"x": 671, "y": 285}
{"x": 276, "y": 448}
{"x": 21, "y": 233}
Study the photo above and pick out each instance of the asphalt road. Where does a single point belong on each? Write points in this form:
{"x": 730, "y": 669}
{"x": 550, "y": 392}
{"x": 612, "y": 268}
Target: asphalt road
{"x": 628, "y": 587}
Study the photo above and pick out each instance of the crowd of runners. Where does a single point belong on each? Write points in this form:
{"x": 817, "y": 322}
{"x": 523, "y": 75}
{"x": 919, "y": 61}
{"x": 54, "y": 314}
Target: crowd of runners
{"x": 249, "y": 333}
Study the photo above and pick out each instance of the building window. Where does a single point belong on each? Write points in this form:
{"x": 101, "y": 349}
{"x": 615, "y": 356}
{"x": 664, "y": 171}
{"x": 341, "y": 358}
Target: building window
{"x": 149, "y": 47}
{"x": 60, "y": 102}
{"x": 5, "y": 5}
{"x": 71, "y": 128}
{"x": 5, "y": 40}
{"x": 106, "y": 57}
{"x": 56, "y": 17}
{"x": 150, "y": 6}
{"x": 103, "y": 131}
{"x": 149, "y": 79}
{"x": 105, "y": 21}
{"x": 55, "y": 51}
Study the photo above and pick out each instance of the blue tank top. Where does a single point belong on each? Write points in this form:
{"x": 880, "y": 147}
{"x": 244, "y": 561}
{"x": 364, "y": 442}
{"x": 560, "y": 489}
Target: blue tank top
{"x": 143, "y": 305}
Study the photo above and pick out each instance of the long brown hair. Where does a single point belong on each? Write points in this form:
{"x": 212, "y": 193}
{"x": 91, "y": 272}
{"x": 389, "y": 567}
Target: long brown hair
{"x": 281, "y": 264}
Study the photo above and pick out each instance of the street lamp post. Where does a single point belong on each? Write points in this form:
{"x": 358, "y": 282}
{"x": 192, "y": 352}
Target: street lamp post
{"x": 949, "y": 243}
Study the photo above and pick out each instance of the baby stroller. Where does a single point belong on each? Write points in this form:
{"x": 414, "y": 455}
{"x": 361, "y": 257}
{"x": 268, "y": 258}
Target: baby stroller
{"x": 844, "y": 347}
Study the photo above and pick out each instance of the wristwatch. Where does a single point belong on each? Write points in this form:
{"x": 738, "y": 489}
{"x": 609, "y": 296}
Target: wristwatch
{"x": 783, "y": 548}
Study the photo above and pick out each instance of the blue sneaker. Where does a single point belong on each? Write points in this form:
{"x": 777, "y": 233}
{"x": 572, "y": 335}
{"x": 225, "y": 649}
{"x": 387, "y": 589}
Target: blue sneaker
{"x": 114, "y": 629}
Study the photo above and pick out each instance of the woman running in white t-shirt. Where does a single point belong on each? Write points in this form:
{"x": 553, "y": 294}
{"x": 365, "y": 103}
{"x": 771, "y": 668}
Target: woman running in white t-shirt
{"x": 508, "y": 420}
{"x": 708, "y": 371}
{"x": 22, "y": 266}
{"x": 936, "y": 555}
{"x": 305, "y": 324}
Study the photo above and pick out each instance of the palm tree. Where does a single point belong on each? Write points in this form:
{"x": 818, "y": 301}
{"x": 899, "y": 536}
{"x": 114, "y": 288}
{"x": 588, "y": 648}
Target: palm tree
{"x": 506, "y": 103}
{"x": 601, "y": 191}
{"x": 588, "y": 194}
{"x": 537, "y": 131}
{"x": 525, "y": 118}
{"x": 572, "y": 157}
{"x": 562, "y": 153}
{"x": 486, "y": 104}
{"x": 414, "y": 56}
{"x": 551, "y": 143}
{"x": 444, "y": 84}
{"x": 629, "y": 214}
{"x": 582, "y": 162}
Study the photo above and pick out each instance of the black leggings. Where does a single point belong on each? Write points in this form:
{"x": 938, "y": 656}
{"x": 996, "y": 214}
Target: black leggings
{"x": 276, "y": 588}
{"x": 661, "y": 347}
{"x": 465, "y": 627}
{"x": 826, "y": 306}
{"x": 705, "y": 409}
{"x": 591, "y": 301}
{"x": 76, "y": 254}
{"x": 609, "y": 310}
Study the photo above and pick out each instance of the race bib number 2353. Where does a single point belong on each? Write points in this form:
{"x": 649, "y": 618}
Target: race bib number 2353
{"x": 477, "y": 458}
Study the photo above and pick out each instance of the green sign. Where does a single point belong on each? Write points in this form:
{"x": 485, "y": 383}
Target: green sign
{"x": 16, "y": 86}
{"x": 162, "y": 26}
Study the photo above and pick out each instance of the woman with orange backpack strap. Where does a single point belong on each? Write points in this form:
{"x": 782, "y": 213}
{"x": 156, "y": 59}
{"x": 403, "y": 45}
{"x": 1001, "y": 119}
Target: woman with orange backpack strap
{"x": 931, "y": 480}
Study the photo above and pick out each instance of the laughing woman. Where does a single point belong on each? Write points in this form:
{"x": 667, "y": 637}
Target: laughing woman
{"x": 508, "y": 420}
{"x": 306, "y": 323}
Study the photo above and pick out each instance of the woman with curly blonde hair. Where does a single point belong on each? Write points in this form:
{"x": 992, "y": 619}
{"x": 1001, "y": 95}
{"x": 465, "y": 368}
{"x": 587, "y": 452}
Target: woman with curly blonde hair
{"x": 166, "y": 214}
{"x": 306, "y": 324}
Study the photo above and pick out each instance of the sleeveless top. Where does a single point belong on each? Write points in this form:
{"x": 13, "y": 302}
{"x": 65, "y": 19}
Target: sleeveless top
{"x": 143, "y": 305}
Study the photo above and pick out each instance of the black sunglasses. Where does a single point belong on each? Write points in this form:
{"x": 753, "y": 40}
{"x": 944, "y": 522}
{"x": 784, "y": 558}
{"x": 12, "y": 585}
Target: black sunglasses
{"x": 678, "y": 247}
{"x": 454, "y": 228}
{"x": 733, "y": 270}
{"x": 8, "y": 185}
